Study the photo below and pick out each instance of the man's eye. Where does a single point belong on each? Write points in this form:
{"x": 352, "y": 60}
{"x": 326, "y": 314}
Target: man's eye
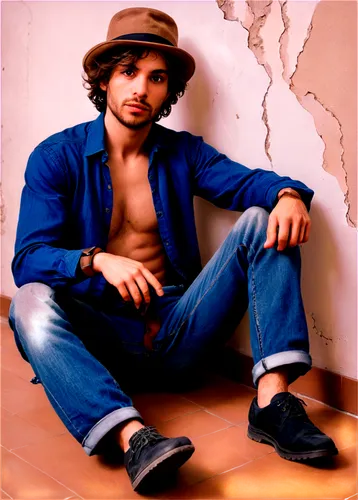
{"x": 157, "y": 78}
{"x": 128, "y": 72}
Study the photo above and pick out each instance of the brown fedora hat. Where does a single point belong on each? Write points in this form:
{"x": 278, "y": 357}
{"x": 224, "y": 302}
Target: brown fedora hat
{"x": 145, "y": 27}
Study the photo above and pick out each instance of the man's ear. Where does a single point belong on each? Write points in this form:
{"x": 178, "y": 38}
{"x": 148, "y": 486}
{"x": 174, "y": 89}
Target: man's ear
{"x": 103, "y": 86}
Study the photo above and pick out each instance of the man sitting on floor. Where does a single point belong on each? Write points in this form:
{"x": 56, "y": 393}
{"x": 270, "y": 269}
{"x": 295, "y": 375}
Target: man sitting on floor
{"x": 108, "y": 264}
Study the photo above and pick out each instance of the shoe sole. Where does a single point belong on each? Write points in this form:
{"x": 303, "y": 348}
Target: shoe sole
{"x": 168, "y": 463}
{"x": 262, "y": 437}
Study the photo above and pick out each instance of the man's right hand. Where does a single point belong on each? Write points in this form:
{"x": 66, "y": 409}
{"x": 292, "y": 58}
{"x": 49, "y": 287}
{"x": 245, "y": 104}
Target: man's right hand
{"x": 130, "y": 277}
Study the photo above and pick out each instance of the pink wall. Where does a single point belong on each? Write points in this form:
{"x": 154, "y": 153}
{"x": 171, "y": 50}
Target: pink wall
{"x": 247, "y": 98}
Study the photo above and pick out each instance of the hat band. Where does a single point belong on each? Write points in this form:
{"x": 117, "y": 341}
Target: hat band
{"x": 144, "y": 37}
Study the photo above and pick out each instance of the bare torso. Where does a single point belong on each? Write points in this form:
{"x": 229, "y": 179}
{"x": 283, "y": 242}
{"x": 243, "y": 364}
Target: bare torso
{"x": 134, "y": 228}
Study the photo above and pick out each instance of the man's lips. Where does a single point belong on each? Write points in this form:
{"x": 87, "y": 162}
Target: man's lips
{"x": 137, "y": 105}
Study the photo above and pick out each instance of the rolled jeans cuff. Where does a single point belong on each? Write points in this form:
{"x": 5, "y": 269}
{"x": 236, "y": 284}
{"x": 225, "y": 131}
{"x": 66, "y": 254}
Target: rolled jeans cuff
{"x": 300, "y": 360}
{"x": 106, "y": 424}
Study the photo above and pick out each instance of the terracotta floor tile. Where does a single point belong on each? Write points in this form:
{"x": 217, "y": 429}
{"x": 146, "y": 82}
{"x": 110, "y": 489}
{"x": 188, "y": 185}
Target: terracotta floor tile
{"x": 11, "y": 358}
{"x": 194, "y": 425}
{"x": 19, "y": 395}
{"x": 63, "y": 458}
{"x": 224, "y": 398}
{"x": 217, "y": 453}
{"x": 273, "y": 477}
{"x": 342, "y": 428}
{"x": 22, "y": 481}
{"x": 5, "y": 414}
{"x": 17, "y": 432}
{"x": 159, "y": 407}
{"x": 44, "y": 417}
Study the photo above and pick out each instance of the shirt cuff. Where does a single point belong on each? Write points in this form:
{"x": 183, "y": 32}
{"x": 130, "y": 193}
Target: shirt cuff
{"x": 71, "y": 260}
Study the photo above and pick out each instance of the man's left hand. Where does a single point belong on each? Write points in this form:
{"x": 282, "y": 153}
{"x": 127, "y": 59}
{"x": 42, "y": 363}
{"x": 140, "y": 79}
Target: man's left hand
{"x": 289, "y": 224}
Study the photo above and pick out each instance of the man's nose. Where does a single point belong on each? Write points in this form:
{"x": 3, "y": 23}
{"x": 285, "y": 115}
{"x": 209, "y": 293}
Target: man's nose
{"x": 140, "y": 87}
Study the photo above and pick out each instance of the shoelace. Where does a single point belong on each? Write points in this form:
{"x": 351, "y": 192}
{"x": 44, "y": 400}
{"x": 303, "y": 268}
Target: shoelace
{"x": 293, "y": 405}
{"x": 143, "y": 437}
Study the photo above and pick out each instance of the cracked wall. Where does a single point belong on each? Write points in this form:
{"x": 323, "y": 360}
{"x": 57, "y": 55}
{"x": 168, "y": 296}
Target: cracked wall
{"x": 308, "y": 50}
{"x": 256, "y": 96}
{"x": 325, "y": 83}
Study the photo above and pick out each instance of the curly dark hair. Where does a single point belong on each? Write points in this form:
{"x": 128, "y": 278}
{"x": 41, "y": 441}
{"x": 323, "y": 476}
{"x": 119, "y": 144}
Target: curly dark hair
{"x": 101, "y": 70}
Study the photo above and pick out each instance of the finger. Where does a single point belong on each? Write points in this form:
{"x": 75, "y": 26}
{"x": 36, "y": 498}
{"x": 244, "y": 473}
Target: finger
{"x": 152, "y": 280}
{"x": 283, "y": 234}
{"x": 122, "y": 289}
{"x": 134, "y": 292}
{"x": 302, "y": 234}
{"x": 307, "y": 232}
{"x": 271, "y": 233}
{"x": 295, "y": 233}
{"x": 143, "y": 287}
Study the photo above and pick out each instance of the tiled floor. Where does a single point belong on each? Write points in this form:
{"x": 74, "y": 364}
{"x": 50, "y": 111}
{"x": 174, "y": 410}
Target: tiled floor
{"x": 40, "y": 459}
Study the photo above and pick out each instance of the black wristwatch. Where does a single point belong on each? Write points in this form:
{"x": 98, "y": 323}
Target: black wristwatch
{"x": 86, "y": 260}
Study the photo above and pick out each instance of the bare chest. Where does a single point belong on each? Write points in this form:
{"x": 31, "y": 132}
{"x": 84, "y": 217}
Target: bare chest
{"x": 133, "y": 209}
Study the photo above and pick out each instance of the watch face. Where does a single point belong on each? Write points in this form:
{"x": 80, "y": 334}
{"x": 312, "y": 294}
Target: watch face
{"x": 88, "y": 251}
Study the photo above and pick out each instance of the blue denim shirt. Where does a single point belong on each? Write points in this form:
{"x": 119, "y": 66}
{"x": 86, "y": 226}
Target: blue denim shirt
{"x": 67, "y": 201}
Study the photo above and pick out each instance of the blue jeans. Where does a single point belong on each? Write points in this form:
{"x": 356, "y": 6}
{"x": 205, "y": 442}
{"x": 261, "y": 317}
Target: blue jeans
{"x": 84, "y": 353}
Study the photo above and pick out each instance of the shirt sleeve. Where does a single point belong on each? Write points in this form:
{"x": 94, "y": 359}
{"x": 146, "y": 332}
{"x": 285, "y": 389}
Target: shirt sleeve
{"x": 41, "y": 232}
{"x": 228, "y": 184}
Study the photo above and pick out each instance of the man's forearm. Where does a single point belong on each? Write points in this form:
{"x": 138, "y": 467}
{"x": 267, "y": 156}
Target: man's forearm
{"x": 46, "y": 264}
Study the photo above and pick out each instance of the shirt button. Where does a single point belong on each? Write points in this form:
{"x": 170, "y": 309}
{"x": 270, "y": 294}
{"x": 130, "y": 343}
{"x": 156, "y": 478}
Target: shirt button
{"x": 166, "y": 242}
{"x": 107, "y": 210}
{"x": 109, "y": 187}
{"x": 154, "y": 190}
{"x": 160, "y": 214}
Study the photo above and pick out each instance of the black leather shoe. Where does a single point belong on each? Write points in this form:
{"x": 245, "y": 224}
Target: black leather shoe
{"x": 151, "y": 458}
{"x": 284, "y": 424}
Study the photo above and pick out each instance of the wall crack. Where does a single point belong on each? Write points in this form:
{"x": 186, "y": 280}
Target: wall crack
{"x": 283, "y": 40}
{"x": 319, "y": 332}
{"x": 228, "y": 9}
{"x": 303, "y": 100}
{"x": 309, "y": 30}
{"x": 258, "y": 11}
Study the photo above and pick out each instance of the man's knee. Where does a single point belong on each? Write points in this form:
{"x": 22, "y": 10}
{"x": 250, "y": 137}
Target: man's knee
{"x": 252, "y": 225}
{"x": 255, "y": 215}
{"x": 31, "y": 311}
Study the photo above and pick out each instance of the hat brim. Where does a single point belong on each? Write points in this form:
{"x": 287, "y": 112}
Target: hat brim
{"x": 186, "y": 59}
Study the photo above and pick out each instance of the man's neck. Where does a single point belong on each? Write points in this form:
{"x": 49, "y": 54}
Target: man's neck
{"x": 121, "y": 141}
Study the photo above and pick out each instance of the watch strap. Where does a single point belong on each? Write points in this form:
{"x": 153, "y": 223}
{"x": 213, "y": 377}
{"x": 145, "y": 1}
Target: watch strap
{"x": 290, "y": 192}
{"x": 86, "y": 260}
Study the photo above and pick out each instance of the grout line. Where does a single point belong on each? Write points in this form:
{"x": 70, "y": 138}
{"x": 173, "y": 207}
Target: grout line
{"x": 234, "y": 468}
{"x": 328, "y": 406}
{"x": 182, "y": 415}
{"x": 3, "y": 491}
{"x": 346, "y": 448}
{"x": 193, "y": 402}
{"x": 45, "y": 473}
{"x": 215, "y": 415}
{"x": 355, "y": 494}
{"x": 221, "y": 418}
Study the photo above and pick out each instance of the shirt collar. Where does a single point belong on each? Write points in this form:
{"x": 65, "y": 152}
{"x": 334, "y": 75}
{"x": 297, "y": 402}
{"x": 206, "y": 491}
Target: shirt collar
{"x": 95, "y": 143}
{"x": 95, "y": 138}
{"x": 158, "y": 138}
